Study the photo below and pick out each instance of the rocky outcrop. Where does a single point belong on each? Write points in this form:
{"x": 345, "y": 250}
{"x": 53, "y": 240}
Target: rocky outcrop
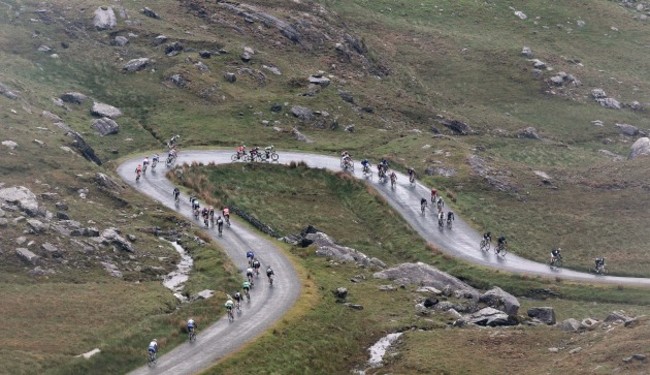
{"x": 326, "y": 247}
{"x": 627, "y": 129}
{"x": 150, "y": 13}
{"x": 112, "y": 269}
{"x": 500, "y": 299}
{"x": 529, "y": 133}
{"x": 21, "y": 196}
{"x": 543, "y": 314}
{"x": 112, "y": 236}
{"x": 640, "y": 147}
{"x": 299, "y": 136}
{"x": 79, "y": 143}
{"x": 491, "y": 317}
{"x": 7, "y": 93}
{"x": 601, "y": 97}
{"x": 249, "y": 12}
{"x": 135, "y": 65}
{"x": 105, "y": 126}
{"x": 303, "y": 113}
{"x": 105, "y": 110}
{"x": 104, "y": 18}
{"x": 73, "y": 97}
{"x": 425, "y": 275}
{"x": 457, "y": 127}
{"x": 27, "y": 256}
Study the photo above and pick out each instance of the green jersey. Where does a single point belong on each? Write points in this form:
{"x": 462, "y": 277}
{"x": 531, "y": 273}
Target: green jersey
{"x": 246, "y": 285}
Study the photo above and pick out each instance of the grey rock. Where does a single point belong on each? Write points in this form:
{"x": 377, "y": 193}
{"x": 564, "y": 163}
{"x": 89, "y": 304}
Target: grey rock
{"x": 105, "y": 110}
{"x": 21, "y": 196}
{"x": 104, "y": 181}
{"x": 617, "y": 316}
{"x": 51, "y": 249}
{"x": 150, "y": 13}
{"x": 303, "y": 113}
{"x": 349, "y": 128}
{"x": 570, "y": 325}
{"x": 491, "y": 317}
{"x": 319, "y": 80}
{"x": 49, "y": 196}
{"x": 73, "y": 97}
{"x": 640, "y": 147}
{"x": 111, "y": 236}
{"x": 61, "y": 206}
{"x": 299, "y": 136}
{"x": 327, "y": 247}
{"x": 522, "y": 16}
{"x": 105, "y": 126}
{"x": 137, "y": 64}
{"x": 62, "y": 215}
{"x": 589, "y": 324}
{"x": 458, "y": 127}
{"x": 444, "y": 306}
{"x": 528, "y": 133}
{"x": 632, "y": 322}
{"x": 341, "y": 293}
{"x": 112, "y": 269}
{"x": 230, "y": 77}
{"x": 37, "y": 226}
{"x": 273, "y": 69}
{"x": 160, "y": 39}
{"x": 90, "y": 232}
{"x": 7, "y": 92}
{"x": 598, "y": 94}
{"x": 425, "y": 275}
{"x": 346, "y": 96}
{"x": 205, "y": 54}
{"x": 246, "y": 57}
{"x": 104, "y": 18}
{"x": 204, "y": 294}
{"x": 3, "y": 222}
{"x": 387, "y": 288}
{"x": 575, "y": 350}
{"x": 251, "y": 13}
{"x": 353, "y": 306}
{"x": 538, "y": 64}
{"x": 537, "y": 73}
{"x": 557, "y": 80}
{"x": 120, "y": 41}
{"x": 420, "y": 309}
{"x": 611, "y": 155}
{"x": 544, "y": 314}
{"x": 174, "y": 49}
{"x": 10, "y": 144}
{"x": 627, "y": 129}
{"x": 498, "y": 298}
{"x": 428, "y": 289}
{"x": 527, "y": 52}
{"x": 581, "y": 23}
{"x": 440, "y": 171}
{"x": 27, "y": 256}
{"x": 178, "y": 80}
{"x": 610, "y": 103}
{"x": 554, "y": 350}
{"x": 44, "y": 48}
{"x": 39, "y": 271}
{"x": 635, "y": 106}
{"x": 201, "y": 66}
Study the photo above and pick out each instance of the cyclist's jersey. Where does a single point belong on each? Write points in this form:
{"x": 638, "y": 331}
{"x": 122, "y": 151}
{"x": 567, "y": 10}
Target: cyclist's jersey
{"x": 555, "y": 253}
{"x": 145, "y": 162}
{"x": 434, "y": 192}
{"x": 138, "y": 169}
{"x": 269, "y": 272}
{"x": 393, "y": 176}
{"x": 423, "y": 202}
{"x": 256, "y": 263}
{"x": 237, "y": 296}
{"x": 250, "y": 254}
{"x": 153, "y": 346}
{"x": 249, "y": 271}
{"x": 176, "y": 191}
{"x": 155, "y": 158}
{"x": 229, "y": 304}
{"x": 220, "y": 221}
{"x": 365, "y": 163}
{"x": 501, "y": 240}
{"x": 190, "y": 323}
{"x": 226, "y": 212}
{"x": 246, "y": 285}
{"x": 486, "y": 236}
{"x": 450, "y": 216}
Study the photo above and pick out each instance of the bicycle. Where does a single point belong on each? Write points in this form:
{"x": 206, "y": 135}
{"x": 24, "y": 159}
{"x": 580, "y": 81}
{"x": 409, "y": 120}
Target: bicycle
{"x": 144, "y": 168}
{"x": 170, "y": 160}
{"x": 228, "y": 221}
{"x": 237, "y": 156}
{"x": 231, "y": 316}
{"x": 248, "y": 295}
{"x": 192, "y": 335}
{"x": 271, "y": 154}
{"x": 556, "y": 262}
{"x": 220, "y": 228}
{"x": 348, "y": 166}
{"x": 485, "y": 245}
{"x": 393, "y": 182}
{"x": 441, "y": 222}
{"x": 270, "y": 280}
{"x": 449, "y": 223}
{"x": 423, "y": 207}
{"x": 412, "y": 179}
{"x": 600, "y": 270}
{"x": 137, "y": 177}
{"x": 152, "y": 359}
{"x": 238, "y": 306}
{"x": 501, "y": 249}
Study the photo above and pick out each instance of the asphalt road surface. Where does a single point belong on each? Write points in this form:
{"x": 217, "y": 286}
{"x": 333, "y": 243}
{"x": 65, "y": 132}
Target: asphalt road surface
{"x": 269, "y": 304}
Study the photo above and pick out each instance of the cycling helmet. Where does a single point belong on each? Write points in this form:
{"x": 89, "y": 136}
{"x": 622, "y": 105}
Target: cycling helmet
{"x": 154, "y": 340}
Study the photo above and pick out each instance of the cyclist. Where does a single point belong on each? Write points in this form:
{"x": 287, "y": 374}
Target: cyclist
{"x": 269, "y": 274}
{"x": 154, "y": 161}
{"x": 226, "y": 214}
{"x": 450, "y": 217}
{"x": 501, "y": 243}
{"x": 246, "y": 286}
{"x": 256, "y": 267}
{"x": 487, "y": 236}
{"x": 211, "y": 215}
{"x": 434, "y": 195}
{"x": 600, "y": 265}
{"x": 153, "y": 348}
{"x": 249, "y": 275}
{"x": 440, "y": 204}
{"x": 176, "y": 193}
{"x": 195, "y": 204}
{"x": 238, "y": 298}
{"x": 411, "y": 174}
{"x": 393, "y": 179}
{"x": 384, "y": 164}
{"x": 366, "y": 165}
{"x": 220, "y": 225}
{"x": 423, "y": 205}
{"x": 229, "y": 305}
{"x": 441, "y": 218}
{"x": 250, "y": 255}
{"x": 556, "y": 254}
{"x": 191, "y": 325}
{"x": 241, "y": 151}
{"x": 145, "y": 164}
{"x": 138, "y": 172}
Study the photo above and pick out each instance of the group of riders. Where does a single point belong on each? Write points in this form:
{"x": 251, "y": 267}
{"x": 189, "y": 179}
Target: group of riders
{"x": 255, "y": 154}
{"x": 172, "y": 154}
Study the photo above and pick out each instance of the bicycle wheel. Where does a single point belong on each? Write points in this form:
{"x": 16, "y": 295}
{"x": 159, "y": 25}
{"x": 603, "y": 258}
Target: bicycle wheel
{"x": 275, "y": 156}
{"x": 234, "y": 157}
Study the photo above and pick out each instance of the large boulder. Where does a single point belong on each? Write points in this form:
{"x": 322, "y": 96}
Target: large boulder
{"x": 529, "y": 133}
{"x": 498, "y": 298}
{"x": 617, "y": 317}
{"x": 7, "y": 92}
{"x": 610, "y": 103}
{"x": 326, "y": 247}
{"x": 21, "y": 196}
{"x": 458, "y": 127}
{"x": 543, "y": 314}
{"x": 135, "y": 65}
{"x": 105, "y": 126}
{"x": 111, "y": 236}
{"x": 422, "y": 274}
{"x": 104, "y": 18}
{"x": 627, "y": 129}
{"x": 640, "y": 147}
{"x": 105, "y": 110}
{"x": 27, "y": 256}
{"x": 303, "y": 113}
{"x": 150, "y": 13}
{"x": 570, "y": 325}
{"x": 491, "y": 317}
{"x": 73, "y": 97}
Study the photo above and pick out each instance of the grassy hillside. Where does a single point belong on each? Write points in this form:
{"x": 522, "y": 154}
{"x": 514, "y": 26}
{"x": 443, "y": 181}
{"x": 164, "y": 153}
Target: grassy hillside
{"x": 396, "y": 69}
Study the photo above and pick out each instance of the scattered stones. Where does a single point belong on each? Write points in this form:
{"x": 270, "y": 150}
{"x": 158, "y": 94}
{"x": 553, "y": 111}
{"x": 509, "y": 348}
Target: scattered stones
{"x": 543, "y": 314}
{"x": 346, "y": 96}
{"x": 201, "y": 66}
{"x": 498, "y": 298}
{"x": 425, "y": 275}
{"x": 3, "y": 222}
{"x": 10, "y": 144}
{"x": 27, "y": 256}
{"x": 319, "y": 79}
{"x": 597, "y": 123}
{"x": 637, "y": 357}
{"x": 73, "y": 97}
{"x": 632, "y": 322}
{"x": 546, "y": 179}
{"x": 527, "y": 52}
{"x": 104, "y": 18}
{"x": 303, "y": 113}
{"x": 387, "y": 288}
{"x": 538, "y": 64}
{"x": 617, "y": 317}
{"x": 111, "y": 236}
{"x": 627, "y": 129}
{"x": 554, "y": 350}
{"x": 598, "y": 94}
{"x": 230, "y": 77}
{"x": 178, "y": 80}
{"x": 640, "y": 147}
{"x": 105, "y": 126}
{"x": 150, "y": 13}
{"x": 610, "y": 103}
{"x": 350, "y": 128}
{"x": 528, "y": 133}
{"x": 112, "y": 269}
{"x": 37, "y": 226}
{"x": 635, "y": 106}
{"x": 570, "y": 325}
{"x": 21, "y": 196}
{"x": 246, "y": 56}
{"x": 51, "y": 116}
{"x": 205, "y": 54}
{"x": 136, "y": 64}
{"x": 105, "y": 110}
{"x": 429, "y": 289}
{"x": 563, "y": 78}
{"x": 51, "y": 249}
{"x": 440, "y": 171}
{"x": 458, "y": 127}
{"x": 120, "y": 41}
{"x": 44, "y": 48}
{"x": 581, "y": 23}
{"x": 62, "y": 215}
{"x": 299, "y": 136}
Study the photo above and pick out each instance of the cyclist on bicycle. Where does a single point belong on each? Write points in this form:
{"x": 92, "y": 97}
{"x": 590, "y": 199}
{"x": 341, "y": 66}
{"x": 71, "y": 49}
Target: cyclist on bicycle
{"x": 366, "y": 165}
{"x": 600, "y": 264}
{"x": 153, "y": 347}
{"x": 250, "y": 255}
{"x": 423, "y": 204}
{"x": 440, "y": 204}
{"x": 191, "y": 325}
{"x": 441, "y": 217}
{"x": 247, "y": 288}
{"x": 434, "y": 195}
{"x": 249, "y": 275}
{"x": 411, "y": 174}
{"x": 229, "y": 305}
{"x": 226, "y": 213}
{"x": 487, "y": 236}
{"x": 220, "y": 224}
{"x": 256, "y": 267}
{"x": 450, "y": 217}
{"x": 555, "y": 255}
{"x": 501, "y": 243}
{"x": 176, "y": 193}
{"x": 237, "y": 297}
{"x": 154, "y": 160}
{"x": 145, "y": 163}
{"x": 138, "y": 170}
{"x": 269, "y": 273}
{"x": 384, "y": 164}
{"x": 393, "y": 177}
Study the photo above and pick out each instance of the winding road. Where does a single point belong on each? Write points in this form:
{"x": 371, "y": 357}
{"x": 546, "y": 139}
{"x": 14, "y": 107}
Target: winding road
{"x": 268, "y": 304}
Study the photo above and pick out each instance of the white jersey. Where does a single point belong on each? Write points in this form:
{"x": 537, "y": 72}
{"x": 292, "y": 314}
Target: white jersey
{"x": 249, "y": 270}
{"x": 153, "y": 345}
{"x": 190, "y": 322}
